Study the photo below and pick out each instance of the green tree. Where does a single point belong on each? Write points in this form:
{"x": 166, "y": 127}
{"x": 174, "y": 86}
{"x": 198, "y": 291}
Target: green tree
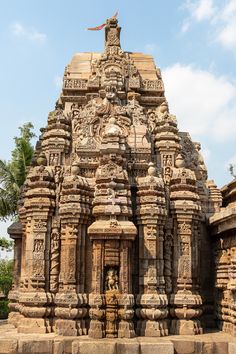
{"x": 13, "y": 173}
{"x": 6, "y": 273}
{"x": 6, "y": 277}
{"x": 6, "y": 244}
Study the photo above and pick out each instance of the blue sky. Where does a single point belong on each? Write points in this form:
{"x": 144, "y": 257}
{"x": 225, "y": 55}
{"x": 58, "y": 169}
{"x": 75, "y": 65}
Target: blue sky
{"x": 193, "y": 42}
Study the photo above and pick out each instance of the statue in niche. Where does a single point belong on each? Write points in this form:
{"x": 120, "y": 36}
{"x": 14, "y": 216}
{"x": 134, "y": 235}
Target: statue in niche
{"x": 112, "y": 279}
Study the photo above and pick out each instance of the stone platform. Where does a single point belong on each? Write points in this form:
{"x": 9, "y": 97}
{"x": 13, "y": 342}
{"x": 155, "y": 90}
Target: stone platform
{"x": 12, "y": 342}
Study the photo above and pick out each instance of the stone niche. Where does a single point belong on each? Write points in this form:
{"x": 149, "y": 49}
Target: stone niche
{"x": 113, "y": 238}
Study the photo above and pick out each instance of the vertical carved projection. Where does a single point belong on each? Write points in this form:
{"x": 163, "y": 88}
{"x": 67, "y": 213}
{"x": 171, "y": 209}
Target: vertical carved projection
{"x": 185, "y": 299}
{"x": 55, "y": 258}
{"x": 34, "y": 298}
{"x": 15, "y": 231}
{"x": 56, "y": 137}
{"x": 74, "y": 209}
{"x": 151, "y": 213}
{"x": 112, "y": 235}
{"x": 113, "y": 214}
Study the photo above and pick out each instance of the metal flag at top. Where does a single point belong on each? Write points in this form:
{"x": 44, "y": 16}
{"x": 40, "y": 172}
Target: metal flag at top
{"x": 98, "y": 28}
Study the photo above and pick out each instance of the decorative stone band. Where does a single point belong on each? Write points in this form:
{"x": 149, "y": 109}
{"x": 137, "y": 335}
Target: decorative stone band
{"x": 75, "y": 84}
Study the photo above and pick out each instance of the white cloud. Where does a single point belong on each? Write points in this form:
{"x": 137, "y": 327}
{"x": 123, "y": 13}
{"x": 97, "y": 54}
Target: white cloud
{"x": 204, "y": 10}
{"x": 205, "y": 105}
{"x": 19, "y": 30}
{"x": 227, "y": 33}
{"x": 222, "y": 18}
{"x": 201, "y": 9}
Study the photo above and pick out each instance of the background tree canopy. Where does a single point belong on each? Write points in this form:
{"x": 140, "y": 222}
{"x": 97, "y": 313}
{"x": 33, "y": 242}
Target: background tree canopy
{"x": 13, "y": 173}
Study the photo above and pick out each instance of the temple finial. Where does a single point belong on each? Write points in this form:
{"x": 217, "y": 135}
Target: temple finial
{"x": 112, "y": 32}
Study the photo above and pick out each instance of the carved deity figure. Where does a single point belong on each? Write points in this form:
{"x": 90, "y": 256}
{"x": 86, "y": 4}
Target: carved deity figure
{"x": 112, "y": 279}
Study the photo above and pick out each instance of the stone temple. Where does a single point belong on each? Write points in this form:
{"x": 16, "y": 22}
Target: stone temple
{"x": 114, "y": 235}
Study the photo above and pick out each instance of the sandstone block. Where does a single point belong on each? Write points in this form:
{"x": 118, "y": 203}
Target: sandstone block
{"x": 94, "y": 346}
{"x": 8, "y": 346}
{"x": 221, "y": 347}
{"x": 63, "y": 346}
{"x": 29, "y": 346}
{"x": 232, "y": 348}
{"x": 127, "y": 348}
{"x": 152, "y": 347}
{"x": 182, "y": 346}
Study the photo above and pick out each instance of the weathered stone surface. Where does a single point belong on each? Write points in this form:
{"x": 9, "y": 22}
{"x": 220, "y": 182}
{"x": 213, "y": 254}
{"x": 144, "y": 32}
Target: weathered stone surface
{"x": 29, "y": 346}
{"x": 232, "y": 348}
{"x": 161, "y": 347}
{"x": 184, "y": 346}
{"x": 99, "y": 347}
{"x": 8, "y": 346}
{"x": 113, "y": 239}
{"x": 127, "y": 347}
{"x": 63, "y": 345}
{"x": 213, "y": 343}
{"x": 223, "y": 229}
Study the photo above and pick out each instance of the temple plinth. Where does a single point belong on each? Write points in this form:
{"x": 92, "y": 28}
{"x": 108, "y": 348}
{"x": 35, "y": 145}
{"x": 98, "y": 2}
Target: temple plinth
{"x": 113, "y": 213}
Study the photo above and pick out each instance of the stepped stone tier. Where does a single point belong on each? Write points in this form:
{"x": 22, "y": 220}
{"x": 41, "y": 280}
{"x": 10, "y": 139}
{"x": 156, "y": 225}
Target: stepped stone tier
{"x": 113, "y": 238}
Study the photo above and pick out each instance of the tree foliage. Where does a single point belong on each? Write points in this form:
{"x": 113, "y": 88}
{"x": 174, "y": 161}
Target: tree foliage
{"x": 13, "y": 173}
{"x": 6, "y": 275}
{"x": 6, "y": 244}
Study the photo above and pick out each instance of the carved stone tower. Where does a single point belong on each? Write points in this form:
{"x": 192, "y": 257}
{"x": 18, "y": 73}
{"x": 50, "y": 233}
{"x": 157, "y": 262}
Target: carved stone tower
{"x": 112, "y": 238}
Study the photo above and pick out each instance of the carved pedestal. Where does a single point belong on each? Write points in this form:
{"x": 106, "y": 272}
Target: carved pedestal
{"x": 126, "y": 314}
{"x": 36, "y": 309}
{"x": 153, "y": 313}
{"x": 187, "y": 311}
{"x": 14, "y": 316}
{"x": 97, "y": 316}
{"x": 70, "y": 312}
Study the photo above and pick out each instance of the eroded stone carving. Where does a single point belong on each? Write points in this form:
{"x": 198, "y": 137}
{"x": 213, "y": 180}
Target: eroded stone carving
{"x": 113, "y": 211}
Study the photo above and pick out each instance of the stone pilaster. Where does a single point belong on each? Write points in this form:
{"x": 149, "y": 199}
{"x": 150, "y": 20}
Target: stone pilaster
{"x": 34, "y": 297}
{"x": 70, "y": 300}
{"x": 152, "y": 300}
{"x": 185, "y": 300}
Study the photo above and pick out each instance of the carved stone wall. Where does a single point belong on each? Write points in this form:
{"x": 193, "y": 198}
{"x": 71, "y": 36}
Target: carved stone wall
{"x": 223, "y": 229}
{"x": 114, "y": 208}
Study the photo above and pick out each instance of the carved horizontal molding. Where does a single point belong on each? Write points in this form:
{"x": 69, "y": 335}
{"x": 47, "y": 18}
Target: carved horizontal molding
{"x": 75, "y": 84}
{"x": 152, "y": 85}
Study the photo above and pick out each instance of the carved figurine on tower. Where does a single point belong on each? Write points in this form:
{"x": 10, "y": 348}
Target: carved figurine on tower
{"x": 113, "y": 211}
